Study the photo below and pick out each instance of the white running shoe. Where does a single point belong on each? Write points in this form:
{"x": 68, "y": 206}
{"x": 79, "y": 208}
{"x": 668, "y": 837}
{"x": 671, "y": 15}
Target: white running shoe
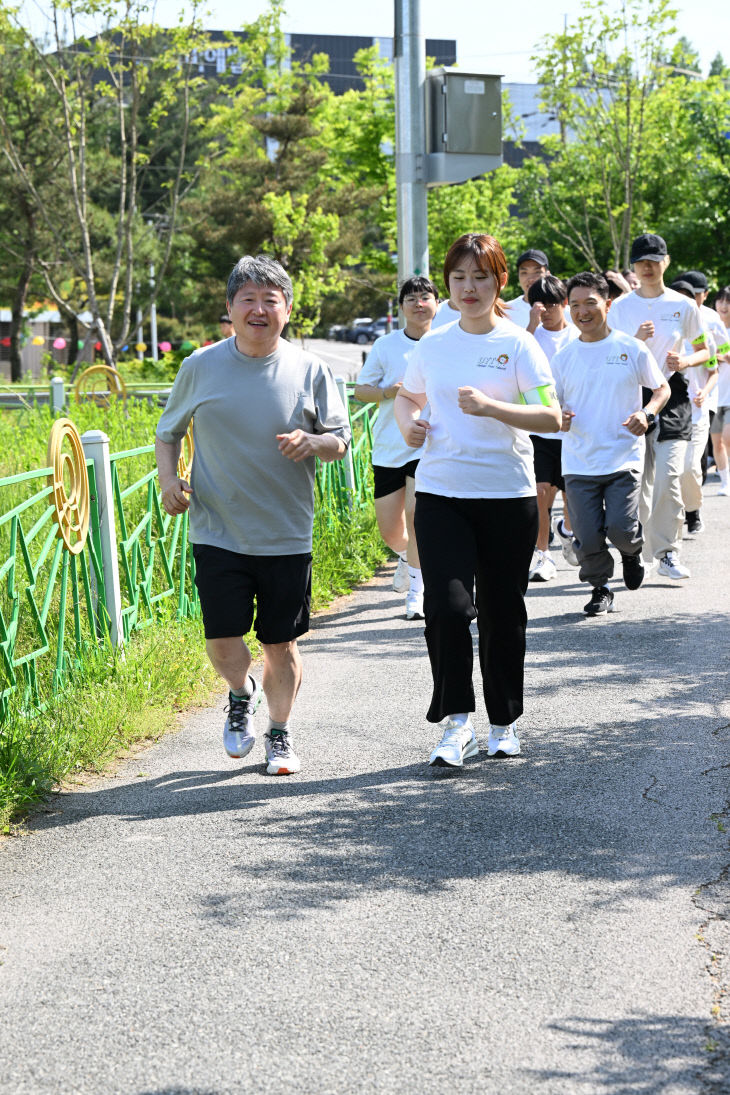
{"x": 724, "y": 491}
{"x": 503, "y": 741}
{"x": 280, "y": 755}
{"x": 567, "y": 544}
{"x": 414, "y": 605}
{"x": 401, "y": 577}
{"x": 239, "y": 734}
{"x": 458, "y": 742}
{"x": 670, "y": 567}
{"x": 543, "y": 569}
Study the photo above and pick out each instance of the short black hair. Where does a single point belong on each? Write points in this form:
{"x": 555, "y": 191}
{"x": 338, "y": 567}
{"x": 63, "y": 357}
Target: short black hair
{"x": 724, "y": 293}
{"x": 547, "y": 290}
{"x": 588, "y": 280}
{"x": 417, "y": 284}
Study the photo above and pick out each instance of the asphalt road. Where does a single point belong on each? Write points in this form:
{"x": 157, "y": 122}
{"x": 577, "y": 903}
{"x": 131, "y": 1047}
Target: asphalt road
{"x": 344, "y": 358}
{"x": 555, "y": 923}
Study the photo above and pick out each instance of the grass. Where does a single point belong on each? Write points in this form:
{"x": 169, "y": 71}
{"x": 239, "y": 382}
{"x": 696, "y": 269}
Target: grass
{"x": 24, "y": 433}
{"x": 115, "y": 701}
{"x": 109, "y": 702}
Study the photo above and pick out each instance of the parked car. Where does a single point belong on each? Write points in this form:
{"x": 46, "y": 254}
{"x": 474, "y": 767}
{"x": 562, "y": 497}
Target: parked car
{"x": 355, "y": 329}
{"x": 364, "y": 331}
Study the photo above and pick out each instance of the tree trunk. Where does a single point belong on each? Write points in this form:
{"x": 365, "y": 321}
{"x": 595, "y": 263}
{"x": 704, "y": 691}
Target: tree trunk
{"x": 19, "y": 299}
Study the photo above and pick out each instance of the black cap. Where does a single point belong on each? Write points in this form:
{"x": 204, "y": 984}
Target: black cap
{"x": 533, "y": 256}
{"x": 648, "y": 246}
{"x": 681, "y": 285}
{"x": 225, "y": 318}
{"x": 697, "y": 280}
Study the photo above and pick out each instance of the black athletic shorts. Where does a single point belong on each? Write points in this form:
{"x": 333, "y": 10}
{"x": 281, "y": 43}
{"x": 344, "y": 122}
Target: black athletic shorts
{"x": 547, "y": 460}
{"x": 389, "y": 480}
{"x": 228, "y": 583}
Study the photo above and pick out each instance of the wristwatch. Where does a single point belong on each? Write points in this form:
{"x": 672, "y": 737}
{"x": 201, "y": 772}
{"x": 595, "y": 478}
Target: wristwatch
{"x": 650, "y": 417}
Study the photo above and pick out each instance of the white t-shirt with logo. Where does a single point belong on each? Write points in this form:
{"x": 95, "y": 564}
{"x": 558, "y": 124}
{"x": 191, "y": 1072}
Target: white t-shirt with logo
{"x": 676, "y": 318}
{"x": 384, "y": 366}
{"x": 601, "y": 382}
{"x": 468, "y": 456}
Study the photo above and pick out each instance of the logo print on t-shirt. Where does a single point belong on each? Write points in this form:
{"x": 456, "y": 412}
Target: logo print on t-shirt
{"x": 493, "y": 362}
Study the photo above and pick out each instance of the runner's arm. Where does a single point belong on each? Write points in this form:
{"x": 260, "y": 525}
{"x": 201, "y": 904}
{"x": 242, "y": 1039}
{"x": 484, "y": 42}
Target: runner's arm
{"x": 539, "y": 413}
{"x": 173, "y": 489}
{"x": 407, "y": 410}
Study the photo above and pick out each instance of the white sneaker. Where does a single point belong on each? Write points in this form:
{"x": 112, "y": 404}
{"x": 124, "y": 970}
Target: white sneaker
{"x": 670, "y": 567}
{"x": 280, "y": 756}
{"x": 567, "y": 544}
{"x": 239, "y": 735}
{"x": 724, "y": 491}
{"x": 401, "y": 577}
{"x": 414, "y": 605}
{"x": 458, "y": 742}
{"x": 543, "y": 569}
{"x": 503, "y": 741}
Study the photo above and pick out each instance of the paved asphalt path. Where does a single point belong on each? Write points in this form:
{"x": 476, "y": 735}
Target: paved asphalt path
{"x": 548, "y": 924}
{"x": 345, "y": 359}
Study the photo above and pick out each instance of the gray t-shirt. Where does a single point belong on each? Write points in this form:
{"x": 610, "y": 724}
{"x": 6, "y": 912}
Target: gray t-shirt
{"x": 248, "y": 497}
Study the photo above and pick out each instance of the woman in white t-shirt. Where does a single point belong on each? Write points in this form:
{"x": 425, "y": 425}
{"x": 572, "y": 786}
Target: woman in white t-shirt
{"x": 394, "y": 462}
{"x": 487, "y": 384}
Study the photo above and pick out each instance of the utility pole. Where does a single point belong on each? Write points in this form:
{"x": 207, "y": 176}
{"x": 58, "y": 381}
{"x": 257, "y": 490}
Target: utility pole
{"x": 410, "y": 140}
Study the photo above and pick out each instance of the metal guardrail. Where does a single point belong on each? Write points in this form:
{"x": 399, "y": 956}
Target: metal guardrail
{"x": 36, "y": 611}
{"x": 57, "y": 603}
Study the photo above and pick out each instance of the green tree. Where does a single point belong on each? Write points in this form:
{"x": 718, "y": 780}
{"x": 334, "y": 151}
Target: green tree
{"x": 286, "y": 173}
{"x": 479, "y": 205}
{"x": 597, "y": 77}
{"x": 113, "y": 94}
{"x": 718, "y": 66}
{"x": 29, "y": 122}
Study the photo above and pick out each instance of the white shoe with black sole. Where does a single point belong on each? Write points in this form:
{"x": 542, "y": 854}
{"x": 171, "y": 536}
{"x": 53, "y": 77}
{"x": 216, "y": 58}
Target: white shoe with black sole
{"x": 458, "y": 742}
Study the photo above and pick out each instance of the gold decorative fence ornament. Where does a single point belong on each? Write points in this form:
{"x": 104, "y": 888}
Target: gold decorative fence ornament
{"x": 187, "y": 452}
{"x": 69, "y": 481}
{"x": 100, "y": 384}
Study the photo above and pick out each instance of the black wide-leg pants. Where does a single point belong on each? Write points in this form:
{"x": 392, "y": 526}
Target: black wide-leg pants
{"x": 490, "y": 540}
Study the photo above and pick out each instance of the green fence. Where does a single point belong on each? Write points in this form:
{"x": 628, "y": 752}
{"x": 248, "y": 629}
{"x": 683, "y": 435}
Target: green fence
{"x": 51, "y": 600}
{"x": 135, "y": 567}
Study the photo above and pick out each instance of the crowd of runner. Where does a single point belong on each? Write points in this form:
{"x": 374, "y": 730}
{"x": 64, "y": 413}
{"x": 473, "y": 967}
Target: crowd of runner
{"x": 641, "y": 372}
{"x": 612, "y": 389}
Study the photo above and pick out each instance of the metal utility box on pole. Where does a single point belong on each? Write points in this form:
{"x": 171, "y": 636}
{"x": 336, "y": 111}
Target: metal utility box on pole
{"x": 410, "y": 140}
{"x": 448, "y": 128}
{"x": 463, "y": 125}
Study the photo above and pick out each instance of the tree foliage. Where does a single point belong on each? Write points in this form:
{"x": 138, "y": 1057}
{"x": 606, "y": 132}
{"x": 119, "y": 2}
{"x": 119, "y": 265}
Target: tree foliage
{"x": 114, "y": 96}
{"x": 117, "y": 156}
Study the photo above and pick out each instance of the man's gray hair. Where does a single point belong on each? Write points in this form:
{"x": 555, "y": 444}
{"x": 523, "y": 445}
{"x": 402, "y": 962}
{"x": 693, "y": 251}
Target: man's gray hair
{"x": 263, "y": 271}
